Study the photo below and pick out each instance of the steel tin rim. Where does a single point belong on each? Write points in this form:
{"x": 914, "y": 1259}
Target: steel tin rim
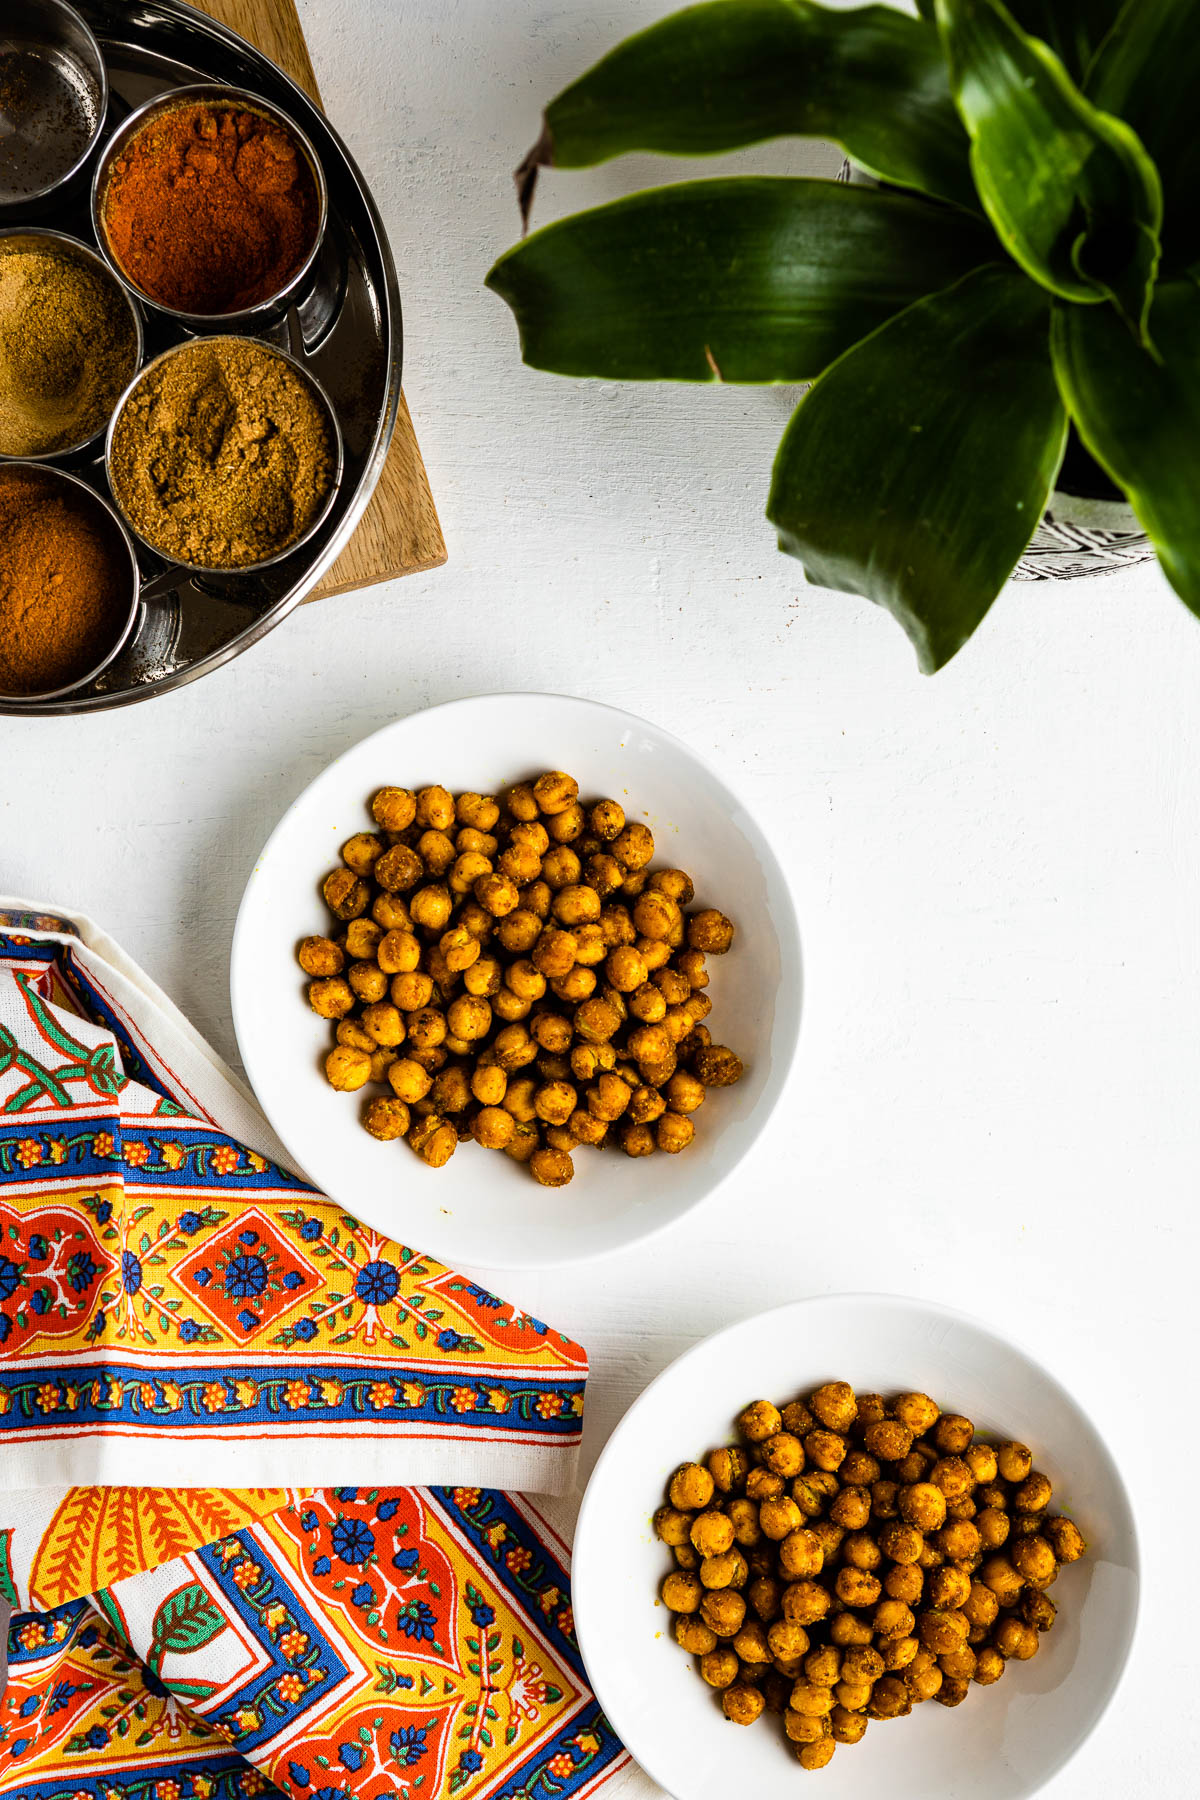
{"x": 42, "y": 194}
{"x": 86, "y": 254}
{"x": 339, "y": 459}
{"x": 226, "y": 324}
{"x": 52, "y": 474}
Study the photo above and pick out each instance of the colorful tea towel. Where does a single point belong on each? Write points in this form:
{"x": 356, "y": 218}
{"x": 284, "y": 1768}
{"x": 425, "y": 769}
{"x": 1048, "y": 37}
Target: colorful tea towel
{"x": 176, "y": 1306}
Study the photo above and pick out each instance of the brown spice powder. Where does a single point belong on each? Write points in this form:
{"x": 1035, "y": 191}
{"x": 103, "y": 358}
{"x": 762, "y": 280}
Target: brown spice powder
{"x": 222, "y": 455}
{"x": 67, "y": 348}
{"x": 64, "y": 582}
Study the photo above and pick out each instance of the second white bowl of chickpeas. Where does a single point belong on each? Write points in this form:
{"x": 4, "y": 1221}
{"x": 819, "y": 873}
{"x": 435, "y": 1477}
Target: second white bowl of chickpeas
{"x": 517, "y": 979}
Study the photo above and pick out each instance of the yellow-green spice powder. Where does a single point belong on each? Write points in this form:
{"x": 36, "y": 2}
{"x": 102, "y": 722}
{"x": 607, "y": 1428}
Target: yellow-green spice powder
{"x": 67, "y": 348}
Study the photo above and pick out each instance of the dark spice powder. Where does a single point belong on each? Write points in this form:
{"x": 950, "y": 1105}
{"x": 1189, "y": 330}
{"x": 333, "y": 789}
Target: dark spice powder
{"x": 64, "y": 582}
{"x": 210, "y": 209}
{"x": 222, "y": 455}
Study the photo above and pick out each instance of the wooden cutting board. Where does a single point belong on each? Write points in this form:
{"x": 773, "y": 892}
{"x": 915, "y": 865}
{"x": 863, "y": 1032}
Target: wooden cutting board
{"x": 399, "y": 533}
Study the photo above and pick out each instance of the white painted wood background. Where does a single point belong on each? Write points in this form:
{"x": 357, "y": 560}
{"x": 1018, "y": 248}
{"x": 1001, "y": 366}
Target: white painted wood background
{"x": 997, "y": 871}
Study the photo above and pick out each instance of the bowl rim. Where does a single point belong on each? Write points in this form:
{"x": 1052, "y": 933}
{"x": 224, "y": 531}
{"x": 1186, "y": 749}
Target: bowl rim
{"x": 87, "y": 253}
{"x": 170, "y": 100}
{"x": 814, "y": 1303}
{"x": 789, "y": 994}
{"x": 12, "y": 464}
{"x": 44, "y": 195}
{"x": 189, "y": 346}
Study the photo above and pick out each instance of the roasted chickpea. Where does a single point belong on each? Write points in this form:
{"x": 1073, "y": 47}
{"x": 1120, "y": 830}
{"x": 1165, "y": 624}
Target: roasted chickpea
{"x": 902, "y": 1543}
{"x": 904, "y": 1581}
{"x": 717, "y": 1066}
{"x": 386, "y": 1119}
{"x": 393, "y": 808}
{"x": 674, "y": 1133}
{"x": 431, "y": 908}
{"x": 800, "y": 1553}
{"x": 1033, "y": 1558}
{"x": 825, "y": 1449}
{"x": 922, "y": 1505}
{"x": 434, "y": 1139}
{"x": 1034, "y": 1493}
{"x": 851, "y": 1508}
{"x": 742, "y": 1704}
{"x": 398, "y": 869}
{"x": 888, "y": 1439}
{"x": 759, "y": 1421}
{"x": 409, "y": 1081}
{"x": 347, "y": 1069}
{"x": 1064, "y": 1539}
{"x": 848, "y": 1630}
{"x": 332, "y": 997}
{"x": 709, "y": 931}
{"x": 551, "y": 1167}
{"x": 719, "y": 1668}
{"x": 637, "y": 1140}
{"x": 981, "y": 1460}
{"x": 805, "y": 1602}
{"x": 320, "y": 956}
{"x": 1014, "y": 1461}
{"x": 999, "y": 1574}
{"x": 949, "y": 1588}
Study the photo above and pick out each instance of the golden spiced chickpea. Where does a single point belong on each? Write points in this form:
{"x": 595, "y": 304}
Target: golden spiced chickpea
{"x": 427, "y": 1028}
{"x": 743, "y": 1515}
{"x": 949, "y": 1588}
{"x": 959, "y": 1540}
{"x": 518, "y": 1099}
{"x": 585, "y": 1128}
{"x": 825, "y": 1449}
{"x": 633, "y": 846}
{"x": 431, "y": 908}
{"x": 817, "y": 1755}
{"x": 723, "y": 1569}
{"x": 989, "y": 1665}
{"x": 607, "y": 820}
{"x": 786, "y": 1640}
{"x": 1064, "y": 1538}
{"x": 469, "y": 1018}
{"x": 655, "y": 914}
{"x": 765, "y": 1594}
{"x": 590, "y": 947}
{"x": 917, "y": 1411}
{"x": 646, "y": 1003}
{"x": 905, "y": 1581}
{"x": 459, "y": 949}
{"x": 922, "y": 1505}
{"x": 637, "y": 1140}
{"x": 779, "y": 1515}
{"x": 346, "y": 894}
{"x": 709, "y": 931}
{"x": 1013, "y": 1461}
{"x": 451, "y": 1090}
{"x": 437, "y": 852}
{"x": 672, "y": 1525}
{"x": 981, "y": 1460}
{"x": 519, "y": 932}
{"x": 1037, "y": 1609}
{"x": 477, "y": 810}
{"x": 576, "y": 905}
{"x": 942, "y": 1631}
{"x": 554, "y": 1102}
{"x": 848, "y": 1724}
{"x": 717, "y": 1066}
{"x": 899, "y": 1542}
{"x": 554, "y": 791}
{"x": 999, "y": 1574}
{"x": 711, "y": 1533}
{"x": 823, "y": 1666}
{"x": 393, "y": 808}
{"x": 993, "y": 1527}
{"x": 857, "y": 1587}
{"x": 386, "y": 1118}
{"x": 398, "y": 869}
{"x": 742, "y": 1704}
{"x": 1015, "y": 1640}
{"x": 567, "y": 826}
{"x": 682, "y": 1592}
{"x": 331, "y": 998}
{"x": 617, "y": 926}
{"x": 552, "y": 1034}
{"x": 783, "y": 1453}
{"x": 1034, "y": 1493}
{"x": 434, "y": 1139}
{"x": 654, "y": 952}
{"x": 801, "y": 1729}
{"x": 727, "y": 1466}
{"x": 981, "y": 1606}
{"x": 398, "y": 953}
{"x": 673, "y": 1133}
{"x": 347, "y": 1069}
{"x": 409, "y": 1081}
{"x": 608, "y": 1098}
{"x": 625, "y": 968}
{"x": 576, "y": 985}
{"x": 893, "y": 1619}
{"x": 851, "y": 1508}
{"x": 384, "y": 1024}
{"x": 521, "y": 863}
{"x": 603, "y": 873}
{"x": 800, "y": 1553}
{"x": 483, "y": 978}
{"x": 390, "y": 913}
{"x": 759, "y": 1421}
{"x": 513, "y": 1047}
{"x": 561, "y": 867}
{"x": 810, "y": 1700}
{"x": 321, "y": 957}
{"x": 719, "y": 1668}
{"x": 861, "y": 1664}
{"x": 551, "y": 1167}
{"x": 435, "y": 808}
{"x": 363, "y": 937}
{"x": 497, "y": 894}
{"x": 834, "y": 1406}
{"x": 849, "y": 1631}
{"x": 1033, "y": 1558}
{"x": 859, "y": 1469}
{"x": 898, "y": 1652}
{"x": 367, "y": 981}
{"x": 887, "y": 1439}
{"x": 411, "y": 992}
{"x": 805, "y": 1602}
{"x": 554, "y": 952}
{"x": 493, "y": 1128}
{"x": 524, "y": 1142}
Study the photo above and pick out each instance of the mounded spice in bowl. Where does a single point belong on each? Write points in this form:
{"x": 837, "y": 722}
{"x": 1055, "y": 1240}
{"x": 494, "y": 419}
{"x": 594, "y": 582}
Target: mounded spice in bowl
{"x": 224, "y": 454}
{"x": 69, "y": 343}
{"x": 211, "y": 206}
{"x": 67, "y": 582}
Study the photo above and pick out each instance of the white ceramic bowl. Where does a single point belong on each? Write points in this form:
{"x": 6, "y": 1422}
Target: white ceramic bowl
{"x": 1003, "y": 1742}
{"x": 482, "y": 1207}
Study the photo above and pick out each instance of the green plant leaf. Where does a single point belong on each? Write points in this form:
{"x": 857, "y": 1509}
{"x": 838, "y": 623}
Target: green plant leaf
{"x": 1073, "y": 29}
{"x": 1139, "y": 414}
{"x": 186, "y": 1620}
{"x": 752, "y": 278}
{"x": 917, "y": 468}
{"x": 1148, "y": 71}
{"x": 733, "y": 72}
{"x": 1070, "y": 189}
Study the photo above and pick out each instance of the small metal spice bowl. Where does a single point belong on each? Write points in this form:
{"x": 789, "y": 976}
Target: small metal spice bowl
{"x": 53, "y": 101}
{"x": 60, "y": 477}
{"x": 20, "y": 237}
{"x": 335, "y": 431}
{"x": 273, "y": 306}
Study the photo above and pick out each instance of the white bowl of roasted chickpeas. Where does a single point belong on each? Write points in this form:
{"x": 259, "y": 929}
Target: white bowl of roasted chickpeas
{"x": 861, "y": 1539}
{"x": 517, "y": 979}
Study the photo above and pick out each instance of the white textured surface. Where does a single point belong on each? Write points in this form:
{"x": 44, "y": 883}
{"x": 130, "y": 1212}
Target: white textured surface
{"x": 997, "y": 872}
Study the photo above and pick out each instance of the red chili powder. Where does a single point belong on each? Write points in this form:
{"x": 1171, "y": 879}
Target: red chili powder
{"x": 210, "y": 209}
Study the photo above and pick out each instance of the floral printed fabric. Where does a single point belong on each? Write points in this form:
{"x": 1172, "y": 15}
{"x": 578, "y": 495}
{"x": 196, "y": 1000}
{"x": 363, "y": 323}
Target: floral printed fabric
{"x": 175, "y": 1303}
